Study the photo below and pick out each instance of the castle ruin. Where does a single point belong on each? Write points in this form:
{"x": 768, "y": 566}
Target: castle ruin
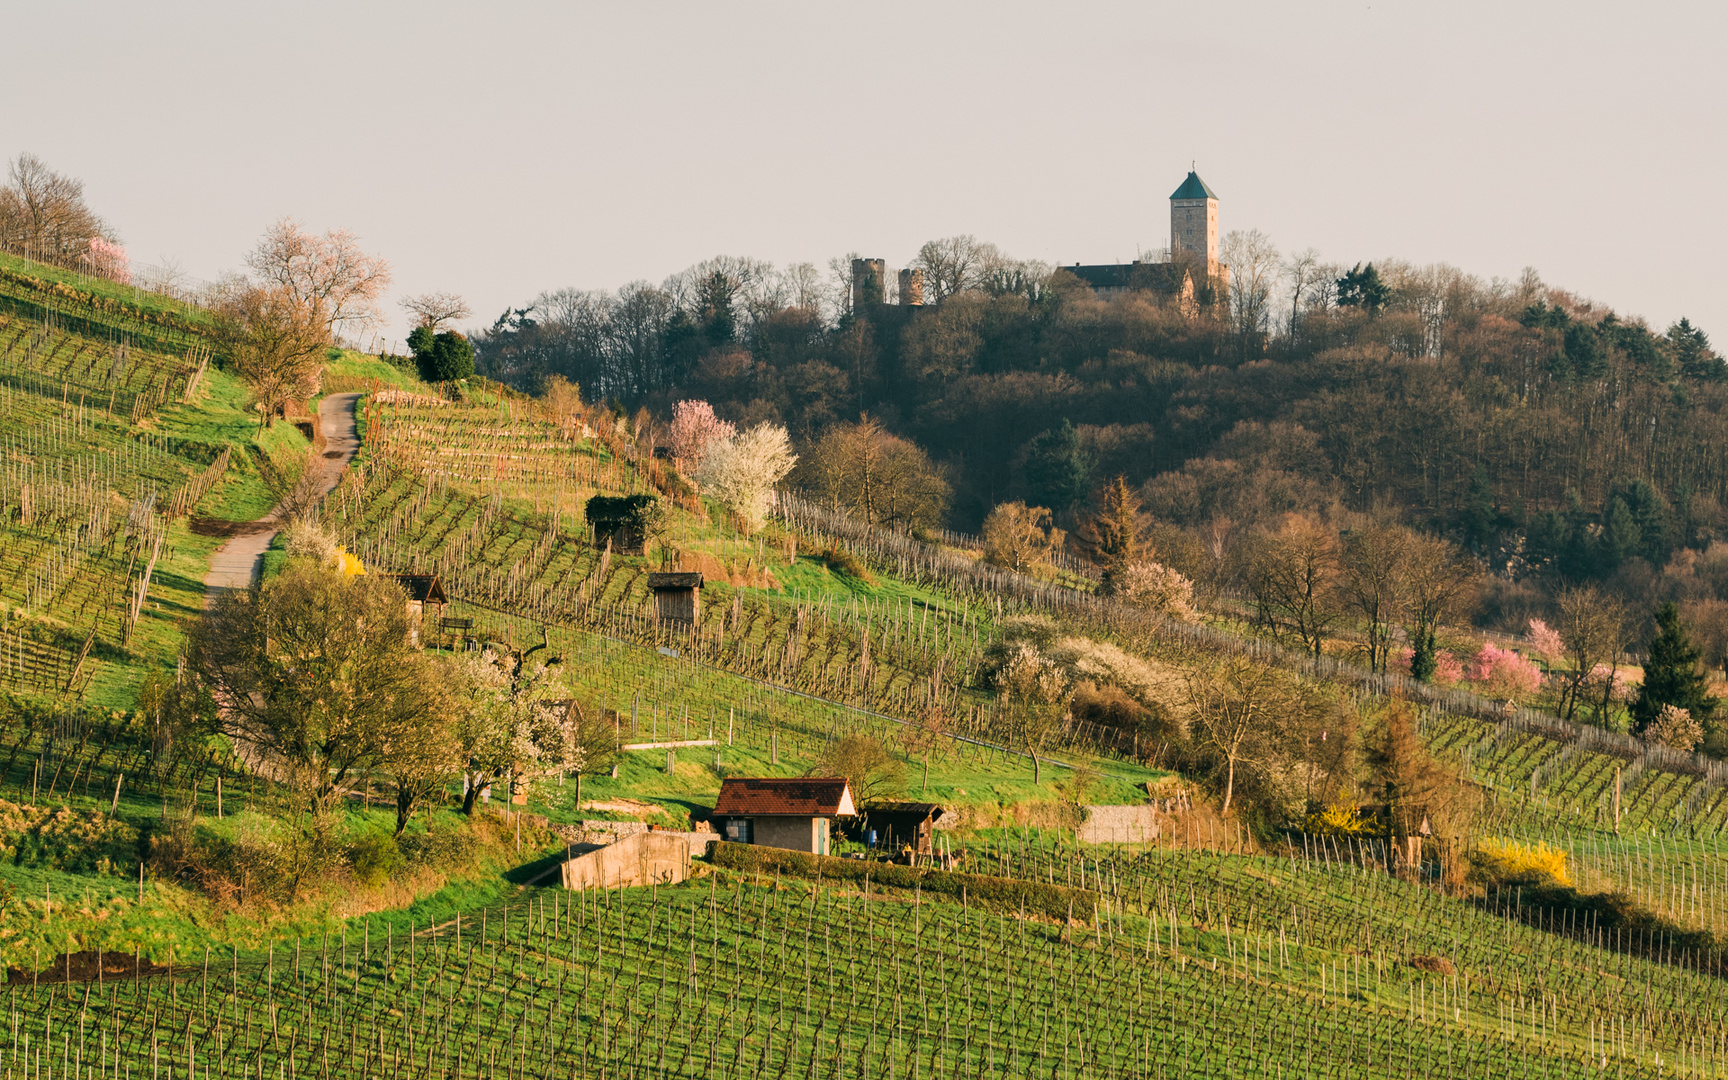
{"x": 1188, "y": 270}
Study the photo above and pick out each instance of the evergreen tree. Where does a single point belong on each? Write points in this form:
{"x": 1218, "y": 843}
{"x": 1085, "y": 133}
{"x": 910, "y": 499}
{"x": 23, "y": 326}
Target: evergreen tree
{"x": 1584, "y": 352}
{"x": 1424, "y": 655}
{"x": 1058, "y": 473}
{"x": 1621, "y": 537}
{"x": 1361, "y": 287}
{"x": 1691, "y": 349}
{"x": 1650, "y": 514}
{"x": 1112, "y": 535}
{"x": 1478, "y": 516}
{"x": 1672, "y": 675}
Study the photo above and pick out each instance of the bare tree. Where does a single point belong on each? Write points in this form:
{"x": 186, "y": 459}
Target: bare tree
{"x": 956, "y": 263}
{"x": 1595, "y": 626}
{"x": 433, "y": 309}
{"x": 1302, "y": 272}
{"x": 1020, "y": 537}
{"x": 1253, "y": 262}
{"x": 1374, "y": 584}
{"x": 45, "y": 211}
{"x": 329, "y": 273}
{"x": 884, "y": 479}
{"x": 1292, "y": 573}
{"x": 1440, "y": 584}
{"x": 276, "y": 343}
{"x": 1244, "y": 716}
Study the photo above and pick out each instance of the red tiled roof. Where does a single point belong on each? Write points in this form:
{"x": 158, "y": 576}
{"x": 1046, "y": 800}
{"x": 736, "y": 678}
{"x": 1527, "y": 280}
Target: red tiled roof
{"x": 799, "y": 796}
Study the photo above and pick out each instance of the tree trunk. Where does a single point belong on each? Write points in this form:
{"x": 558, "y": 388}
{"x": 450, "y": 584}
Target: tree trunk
{"x": 404, "y": 806}
{"x": 926, "y": 786}
{"x": 578, "y": 793}
{"x": 471, "y": 795}
{"x": 1229, "y": 785}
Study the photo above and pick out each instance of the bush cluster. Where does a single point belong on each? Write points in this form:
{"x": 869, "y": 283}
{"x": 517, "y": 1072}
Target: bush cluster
{"x": 75, "y": 840}
{"x": 997, "y": 894}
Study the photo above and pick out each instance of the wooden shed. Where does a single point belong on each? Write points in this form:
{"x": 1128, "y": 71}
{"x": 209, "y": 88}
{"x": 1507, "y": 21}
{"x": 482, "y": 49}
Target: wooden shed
{"x": 422, "y": 589}
{"x": 623, "y": 521}
{"x": 900, "y": 825}
{"x": 783, "y": 812}
{"x": 677, "y": 597}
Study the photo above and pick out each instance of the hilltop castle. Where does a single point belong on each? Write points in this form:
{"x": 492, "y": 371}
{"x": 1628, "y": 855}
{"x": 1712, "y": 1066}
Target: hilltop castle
{"x": 1188, "y": 270}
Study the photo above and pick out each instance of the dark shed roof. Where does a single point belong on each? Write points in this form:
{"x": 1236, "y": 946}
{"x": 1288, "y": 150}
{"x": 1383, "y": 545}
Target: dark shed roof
{"x": 674, "y": 581}
{"x": 426, "y": 588}
{"x": 798, "y": 796}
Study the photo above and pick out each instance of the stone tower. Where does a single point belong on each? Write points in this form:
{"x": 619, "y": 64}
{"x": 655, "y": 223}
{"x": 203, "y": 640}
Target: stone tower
{"x": 912, "y": 288}
{"x": 1194, "y": 221}
{"x": 869, "y": 283}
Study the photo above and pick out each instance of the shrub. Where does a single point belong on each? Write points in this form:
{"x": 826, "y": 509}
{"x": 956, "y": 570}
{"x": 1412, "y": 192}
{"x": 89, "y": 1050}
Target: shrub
{"x": 441, "y": 848}
{"x": 1340, "y": 819}
{"x": 998, "y": 894}
{"x": 1675, "y": 727}
{"x": 1156, "y": 587}
{"x": 1506, "y": 862}
{"x": 375, "y": 858}
{"x": 444, "y": 357}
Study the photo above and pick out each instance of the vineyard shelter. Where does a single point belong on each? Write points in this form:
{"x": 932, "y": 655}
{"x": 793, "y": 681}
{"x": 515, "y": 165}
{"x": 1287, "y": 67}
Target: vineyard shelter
{"x": 623, "y": 521}
{"x": 677, "y": 597}
{"x": 422, "y": 589}
{"x": 900, "y": 825}
{"x": 782, "y": 812}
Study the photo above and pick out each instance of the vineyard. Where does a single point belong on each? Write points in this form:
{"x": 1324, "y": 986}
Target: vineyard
{"x": 1210, "y": 950}
{"x": 1210, "y": 966}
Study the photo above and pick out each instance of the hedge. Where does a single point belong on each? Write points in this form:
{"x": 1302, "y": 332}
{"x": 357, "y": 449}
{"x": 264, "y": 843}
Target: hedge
{"x": 996, "y": 893}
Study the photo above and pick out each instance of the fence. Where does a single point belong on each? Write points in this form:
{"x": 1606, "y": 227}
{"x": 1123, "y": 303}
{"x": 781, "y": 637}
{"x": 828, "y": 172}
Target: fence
{"x": 912, "y": 558}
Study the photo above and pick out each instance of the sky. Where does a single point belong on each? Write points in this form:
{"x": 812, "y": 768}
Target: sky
{"x": 503, "y": 149}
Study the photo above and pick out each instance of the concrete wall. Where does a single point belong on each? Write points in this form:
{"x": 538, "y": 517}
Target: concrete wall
{"x": 641, "y": 859}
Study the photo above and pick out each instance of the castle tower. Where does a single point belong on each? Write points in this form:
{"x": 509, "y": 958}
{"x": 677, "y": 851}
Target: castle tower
{"x": 1194, "y": 220}
{"x": 869, "y": 283}
{"x": 912, "y": 288}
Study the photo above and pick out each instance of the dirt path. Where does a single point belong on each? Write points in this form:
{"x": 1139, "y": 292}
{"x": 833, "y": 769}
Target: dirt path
{"x": 236, "y": 563}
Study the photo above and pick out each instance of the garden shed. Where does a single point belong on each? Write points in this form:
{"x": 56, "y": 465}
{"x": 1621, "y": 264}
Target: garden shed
{"x": 677, "y": 597}
{"x": 422, "y": 589}
{"x": 898, "y": 825}
{"x": 783, "y": 812}
{"x": 624, "y": 521}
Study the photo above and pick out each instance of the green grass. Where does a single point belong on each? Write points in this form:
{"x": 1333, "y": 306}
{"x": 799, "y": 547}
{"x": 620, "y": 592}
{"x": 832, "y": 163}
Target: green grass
{"x": 108, "y": 290}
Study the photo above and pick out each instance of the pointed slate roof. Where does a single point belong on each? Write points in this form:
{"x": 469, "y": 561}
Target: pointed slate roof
{"x": 1194, "y": 188}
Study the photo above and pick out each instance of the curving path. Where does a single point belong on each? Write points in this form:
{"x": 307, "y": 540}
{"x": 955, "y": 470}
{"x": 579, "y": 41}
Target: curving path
{"x": 235, "y": 564}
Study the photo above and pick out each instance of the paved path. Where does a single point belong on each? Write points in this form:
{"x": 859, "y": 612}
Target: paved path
{"x": 236, "y": 563}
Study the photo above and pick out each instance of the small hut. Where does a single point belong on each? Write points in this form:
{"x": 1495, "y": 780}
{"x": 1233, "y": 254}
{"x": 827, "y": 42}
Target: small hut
{"x": 783, "y": 812}
{"x": 422, "y": 589}
{"x": 677, "y": 598}
{"x": 624, "y": 521}
{"x": 900, "y": 825}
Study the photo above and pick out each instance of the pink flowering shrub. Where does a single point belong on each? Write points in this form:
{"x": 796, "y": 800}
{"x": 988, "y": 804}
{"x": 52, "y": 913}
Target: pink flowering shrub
{"x": 1545, "y": 642}
{"x": 694, "y": 428}
{"x": 1503, "y": 673}
{"x": 109, "y": 260}
{"x": 1448, "y": 669}
{"x": 1494, "y": 671}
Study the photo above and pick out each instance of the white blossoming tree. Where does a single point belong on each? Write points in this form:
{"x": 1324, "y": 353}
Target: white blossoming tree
{"x": 741, "y": 471}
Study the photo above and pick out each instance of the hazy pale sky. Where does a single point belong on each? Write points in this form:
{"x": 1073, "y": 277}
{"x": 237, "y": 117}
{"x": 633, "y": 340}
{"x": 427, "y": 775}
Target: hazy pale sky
{"x": 498, "y": 150}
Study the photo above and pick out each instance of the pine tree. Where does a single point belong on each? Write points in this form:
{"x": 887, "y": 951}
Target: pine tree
{"x": 1672, "y": 675}
{"x": 1112, "y": 535}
